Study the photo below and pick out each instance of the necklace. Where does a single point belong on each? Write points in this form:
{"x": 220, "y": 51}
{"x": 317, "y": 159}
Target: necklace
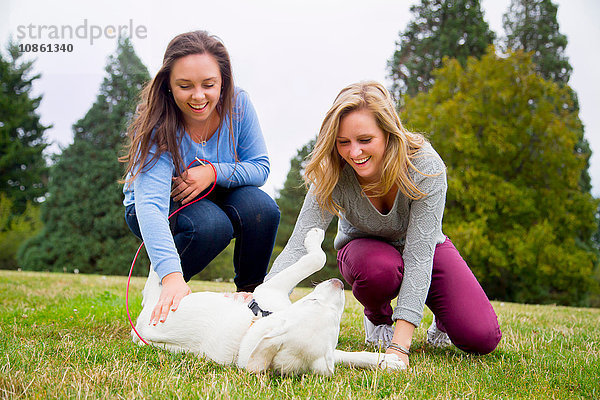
{"x": 199, "y": 138}
{"x": 201, "y": 132}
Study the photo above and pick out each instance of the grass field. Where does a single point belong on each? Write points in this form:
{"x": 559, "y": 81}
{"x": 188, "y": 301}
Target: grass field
{"x": 67, "y": 336}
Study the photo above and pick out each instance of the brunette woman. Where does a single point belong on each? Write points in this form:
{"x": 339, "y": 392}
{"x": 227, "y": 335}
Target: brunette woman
{"x": 192, "y": 111}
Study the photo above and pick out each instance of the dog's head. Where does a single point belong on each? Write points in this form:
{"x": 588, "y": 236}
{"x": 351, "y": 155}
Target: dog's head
{"x": 328, "y": 294}
{"x": 301, "y": 338}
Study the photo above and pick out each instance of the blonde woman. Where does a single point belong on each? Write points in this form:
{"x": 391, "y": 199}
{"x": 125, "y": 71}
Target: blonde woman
{"x": 388, "y": 187}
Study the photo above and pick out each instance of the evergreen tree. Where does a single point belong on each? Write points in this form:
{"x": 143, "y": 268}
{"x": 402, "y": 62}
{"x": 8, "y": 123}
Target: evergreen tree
{"x": 105, "y": 124}
{"x": 514, "y": 209}
{"x": 440, "y": 28}
{"x": 83, "y": 215}
{"x": 290, "y": 200}
{"x": 531, "y": 26}
{"x": 15, "y": 229}
{"x": 23, "y": 167}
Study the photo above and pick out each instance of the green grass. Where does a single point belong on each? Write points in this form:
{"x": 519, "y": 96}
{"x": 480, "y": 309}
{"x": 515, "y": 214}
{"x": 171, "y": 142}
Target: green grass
{"x": 67, "y": 336}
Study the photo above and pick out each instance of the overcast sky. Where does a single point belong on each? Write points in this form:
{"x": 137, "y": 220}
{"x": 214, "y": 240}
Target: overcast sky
{"x": 292, "y": 57}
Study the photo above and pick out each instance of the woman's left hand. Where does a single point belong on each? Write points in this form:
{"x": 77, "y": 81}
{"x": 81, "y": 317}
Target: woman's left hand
{"x": 191, "y": 183}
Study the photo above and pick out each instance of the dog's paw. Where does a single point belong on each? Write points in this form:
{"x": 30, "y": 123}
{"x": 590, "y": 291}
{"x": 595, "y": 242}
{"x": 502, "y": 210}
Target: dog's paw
{"x": 313, "y": 239}
{"x": 391, "y": 362}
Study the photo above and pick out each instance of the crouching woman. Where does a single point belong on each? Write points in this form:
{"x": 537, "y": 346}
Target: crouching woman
{"x": 388, "y": 187}
{"x": 191, "y": 111}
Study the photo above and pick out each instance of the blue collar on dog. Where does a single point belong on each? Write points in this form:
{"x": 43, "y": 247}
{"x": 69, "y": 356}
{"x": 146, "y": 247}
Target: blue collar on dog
{"x": 253, "y": 305}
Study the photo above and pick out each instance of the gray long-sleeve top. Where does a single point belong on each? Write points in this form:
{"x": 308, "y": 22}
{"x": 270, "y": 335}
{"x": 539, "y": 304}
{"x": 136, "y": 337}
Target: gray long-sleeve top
{"x": 414, "y": 227}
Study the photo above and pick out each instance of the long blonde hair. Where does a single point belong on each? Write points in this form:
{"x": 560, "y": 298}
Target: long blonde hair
{"x": 325, "y": 164}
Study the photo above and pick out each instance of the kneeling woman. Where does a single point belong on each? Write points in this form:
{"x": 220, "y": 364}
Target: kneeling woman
{"x": 191, "y": 110}
{"x": 388, "y": 187}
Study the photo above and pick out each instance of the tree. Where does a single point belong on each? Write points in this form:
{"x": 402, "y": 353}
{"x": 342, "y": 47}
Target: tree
{"x": 514, "y": 206}
{"x": 531, "y": 26}
{"x": 453, "y": 28}
{"x": 23, "y": 167}
{"x": 16, "y": 229}
{"x": 290, "y": 200}
{"x": 106, "y": 122}
{"x": 83, "y": 214}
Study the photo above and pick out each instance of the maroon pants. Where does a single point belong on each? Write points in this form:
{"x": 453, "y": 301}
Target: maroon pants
{"x": 375, "y": 269}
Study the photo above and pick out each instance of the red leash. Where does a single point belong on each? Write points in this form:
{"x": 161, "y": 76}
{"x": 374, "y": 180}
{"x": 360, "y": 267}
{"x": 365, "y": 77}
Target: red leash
{"x": 142, "y": 245}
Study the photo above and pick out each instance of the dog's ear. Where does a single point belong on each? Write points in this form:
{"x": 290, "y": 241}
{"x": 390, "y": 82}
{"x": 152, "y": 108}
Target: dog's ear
{"x": 267, "y": 347}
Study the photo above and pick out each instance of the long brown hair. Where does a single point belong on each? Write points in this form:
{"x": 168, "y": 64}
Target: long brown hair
{"x": 325, "y": 165}
{"x": 158, "y": 118}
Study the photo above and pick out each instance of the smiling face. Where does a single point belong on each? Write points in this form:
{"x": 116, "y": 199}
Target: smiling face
{"x": 195, "y": 81}
{"x": 361, "y": 143}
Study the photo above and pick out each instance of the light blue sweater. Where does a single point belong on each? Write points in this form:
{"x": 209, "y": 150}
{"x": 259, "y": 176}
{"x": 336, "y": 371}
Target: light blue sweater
{"x": 150, "y": 191}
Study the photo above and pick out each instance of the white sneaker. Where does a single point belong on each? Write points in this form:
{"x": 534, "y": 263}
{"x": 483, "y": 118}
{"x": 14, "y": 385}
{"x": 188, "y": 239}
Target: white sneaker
{"x": 378, "y": 335}
{"x": 437, "y": 338}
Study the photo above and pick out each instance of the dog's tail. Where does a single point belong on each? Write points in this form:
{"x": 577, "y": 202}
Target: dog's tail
{"x": 152, "y": 289}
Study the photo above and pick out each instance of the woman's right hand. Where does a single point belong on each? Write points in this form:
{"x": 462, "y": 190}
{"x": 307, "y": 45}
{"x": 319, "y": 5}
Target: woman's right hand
{"x": 192, "y": 183}
{"x": 173, "y": 290}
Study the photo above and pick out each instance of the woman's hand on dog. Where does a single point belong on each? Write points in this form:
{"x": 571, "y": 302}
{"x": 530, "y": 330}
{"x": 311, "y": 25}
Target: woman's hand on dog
{"x": 403, "y": 357}
{"x": 403, "y": 333}
{"x": 191, "y": 183}
{"x": 173, "y": 290}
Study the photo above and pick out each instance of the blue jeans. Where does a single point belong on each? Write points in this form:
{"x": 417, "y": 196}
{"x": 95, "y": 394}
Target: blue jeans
{"x": 204, "y": 229}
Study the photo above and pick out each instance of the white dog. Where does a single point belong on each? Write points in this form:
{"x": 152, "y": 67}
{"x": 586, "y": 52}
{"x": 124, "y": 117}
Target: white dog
{"x": 293, "y": 338}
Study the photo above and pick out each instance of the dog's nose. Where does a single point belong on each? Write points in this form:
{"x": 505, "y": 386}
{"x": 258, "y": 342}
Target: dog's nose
{"x": 337, "y": 283}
